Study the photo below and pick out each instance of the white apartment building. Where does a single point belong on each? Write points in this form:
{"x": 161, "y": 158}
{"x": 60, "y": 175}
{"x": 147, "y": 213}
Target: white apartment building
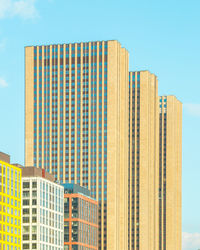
{"x": 42, "y": 211}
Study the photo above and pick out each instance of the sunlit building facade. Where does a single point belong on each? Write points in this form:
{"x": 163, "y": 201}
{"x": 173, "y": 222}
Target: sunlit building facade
{"x": 143, "y": 161}
{"x": 170, "y": 173}
{"x": 10, "y": 204}
{"x": 42, "y": 211}
{"x": 77, "y": 125}
{"x": 80, "y": 219}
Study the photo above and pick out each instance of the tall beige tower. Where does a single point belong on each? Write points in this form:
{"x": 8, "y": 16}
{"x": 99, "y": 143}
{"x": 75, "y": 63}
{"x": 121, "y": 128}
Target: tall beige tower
{"x": 143, "y": 161}
{"x": 76, "y": 125}
{"x": 170, "y": 174}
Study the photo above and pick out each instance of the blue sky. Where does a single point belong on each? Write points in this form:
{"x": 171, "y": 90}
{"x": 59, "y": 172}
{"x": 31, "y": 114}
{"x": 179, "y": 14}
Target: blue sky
{"x": 161, "y": 36}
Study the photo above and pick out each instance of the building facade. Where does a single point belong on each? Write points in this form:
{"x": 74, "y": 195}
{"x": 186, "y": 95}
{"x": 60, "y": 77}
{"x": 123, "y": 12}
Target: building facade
{"x": 76, "y": 125}
{"x": 42, "y": 211}
{"x": 10, "y": 204}
{"x": 80, "y": 219}
{"x": 170, "y": 172}
{"x": 143, "y": 161}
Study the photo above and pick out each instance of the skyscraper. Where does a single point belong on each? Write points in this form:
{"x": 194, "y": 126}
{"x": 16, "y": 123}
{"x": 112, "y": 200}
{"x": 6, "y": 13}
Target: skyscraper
{"x": 170, "y": 172}
{"x": 77, "y": 124}
{"x": 143, "y": 160}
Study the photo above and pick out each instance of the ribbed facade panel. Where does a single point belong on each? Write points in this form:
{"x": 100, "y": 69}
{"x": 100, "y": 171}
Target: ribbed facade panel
{"x": 77, "y": 124}
{"x": 170, "y": 173}
{"x": 143, "y": 161}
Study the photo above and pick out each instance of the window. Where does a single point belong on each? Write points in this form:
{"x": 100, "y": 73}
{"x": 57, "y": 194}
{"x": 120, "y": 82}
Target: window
{"x": 34, "y": 229}
{"x": 26, "y": 193}
{"x": 26, "y": 211}
{"x": 74, "y": 207}
{"x": 25, "y": 219}
{"x": 34, "y": 245}
{"x": 34, "y": 210}
{"x": 26, "y": 237}
{"x": 25, "y": 202}
{"x": 25, "y": 246}
{"x": 26, "y": 184}
{"x": 66, "y": 232}
{"x": 74, "y": 231}
{"x": 34, "y": 219}
{"x": 66, "y": 208}
{"x": 34, "y": 193}
{"x": 34, "y": 202}
{"x": 34, "y": 237}
{"x": 34, "y": 184}
{"x": 25, "y": 229}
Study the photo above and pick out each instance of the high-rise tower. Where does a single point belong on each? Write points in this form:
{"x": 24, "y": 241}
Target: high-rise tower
{"x": 170, "y": 172}
{"x": 77, "y": 124}
{"x": 143, "y": 161}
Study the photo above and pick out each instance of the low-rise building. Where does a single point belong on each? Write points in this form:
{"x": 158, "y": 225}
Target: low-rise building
{"x": 10, "y": 204}
{"x": 80, "y": 219}
{"x": 42, "y": 210}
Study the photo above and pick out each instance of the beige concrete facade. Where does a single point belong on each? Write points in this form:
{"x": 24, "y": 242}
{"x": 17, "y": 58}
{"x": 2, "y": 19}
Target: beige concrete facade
{"x": 29, "y": 106}
{"x": 170, "y": 174}
{"x": 78, "y": 128}
{"x": 143, "y": 161}
{"x": 117, "y": 147}
{"x": 91, "y": 122}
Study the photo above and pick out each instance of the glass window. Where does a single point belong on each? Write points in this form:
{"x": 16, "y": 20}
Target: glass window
{"x": 25, "y": 202}
{"x": 74, "y": 207}
{"x": 26, "y": 185}
{"x": 34, "y": 210}
{"x": 34, "y": 246}
{"x": 25, "y": 229}
{"x": 34, "y": 184}
{"x": 34, "y": 237}
{"x": 25, "y": 219}
{"x": 74, "y": 231}
{"x": 34, "y": 229}
{"x": 25, "y": 246}
{"x": 34, "y": 193}
{"x": 66, "y": 232}
{"x": 26, "y": 211}
{"x": 26, "y": 237}
{"x": 34, "y": 219}
{"x": 26, "y": 194}
{"x": 66, "y": 208}
{"x": 34, "y": 202}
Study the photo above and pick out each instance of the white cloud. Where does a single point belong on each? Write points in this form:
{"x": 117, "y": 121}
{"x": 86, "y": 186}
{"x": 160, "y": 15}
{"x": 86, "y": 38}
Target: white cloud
{"x": 25, "y": 9}
{"x": 5, "y": 5}
{"x": 22, "y": 8}
{"x": 192, "y": 109}
{"x": 191, "y": 241}
{"x": 3, "y": 83}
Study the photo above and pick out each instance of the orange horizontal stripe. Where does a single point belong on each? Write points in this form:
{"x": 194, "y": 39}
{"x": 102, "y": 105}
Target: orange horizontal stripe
{"x": 82, "y": 197}
{"x": 80, "y": 244}
{"x": 83, "y": 221}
